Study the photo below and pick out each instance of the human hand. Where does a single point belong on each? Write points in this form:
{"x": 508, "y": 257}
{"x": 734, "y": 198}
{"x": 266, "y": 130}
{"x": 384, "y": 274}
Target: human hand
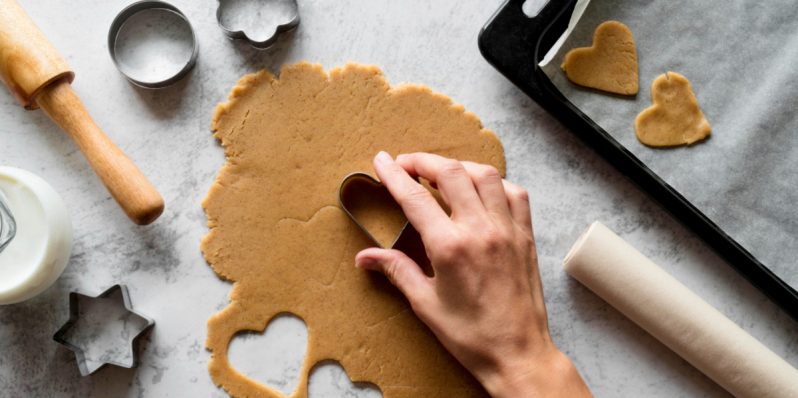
{"x": 485, "y": 301}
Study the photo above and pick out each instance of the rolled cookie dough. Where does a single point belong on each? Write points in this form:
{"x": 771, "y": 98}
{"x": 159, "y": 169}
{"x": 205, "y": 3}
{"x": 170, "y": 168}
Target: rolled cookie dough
{"x": 674, "y": 118}
{"x": 610, "y": 64}
{"x": 277, "y": 232}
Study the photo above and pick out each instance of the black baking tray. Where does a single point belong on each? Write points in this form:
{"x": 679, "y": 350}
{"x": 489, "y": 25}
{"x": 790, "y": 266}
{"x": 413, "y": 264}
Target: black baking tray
{"x": 515, "y": 43}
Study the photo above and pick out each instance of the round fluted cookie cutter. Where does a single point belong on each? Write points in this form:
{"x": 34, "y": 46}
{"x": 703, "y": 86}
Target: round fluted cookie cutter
{"x": 152, "y": 23}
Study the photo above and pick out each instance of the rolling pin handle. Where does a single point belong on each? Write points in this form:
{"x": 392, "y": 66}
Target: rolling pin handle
{"x": 126, "y": 183}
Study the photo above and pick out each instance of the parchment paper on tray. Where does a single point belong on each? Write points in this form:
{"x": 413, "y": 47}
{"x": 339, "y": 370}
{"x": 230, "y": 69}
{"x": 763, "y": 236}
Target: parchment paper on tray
{"x": 741, "y": 57}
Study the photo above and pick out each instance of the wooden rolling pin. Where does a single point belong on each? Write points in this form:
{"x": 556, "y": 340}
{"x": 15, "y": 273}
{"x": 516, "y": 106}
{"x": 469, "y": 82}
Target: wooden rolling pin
{"x": 39, "y": 77}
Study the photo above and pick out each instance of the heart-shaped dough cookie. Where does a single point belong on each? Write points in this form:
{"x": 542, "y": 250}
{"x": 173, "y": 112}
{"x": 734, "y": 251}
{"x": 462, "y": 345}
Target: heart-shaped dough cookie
{"x": 370, "y": 205}
{"x": 610, "y": 64}
{"x": 675, "y": 117}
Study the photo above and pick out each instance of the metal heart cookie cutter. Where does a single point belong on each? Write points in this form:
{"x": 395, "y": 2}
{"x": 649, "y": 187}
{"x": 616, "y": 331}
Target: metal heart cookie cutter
{"x": 8, "y": 226}
{"x": 72, "y": 336}
{"x": 152, "y": 44}
{"x": 362, "y": 197}
{"x": 238, "y": 34}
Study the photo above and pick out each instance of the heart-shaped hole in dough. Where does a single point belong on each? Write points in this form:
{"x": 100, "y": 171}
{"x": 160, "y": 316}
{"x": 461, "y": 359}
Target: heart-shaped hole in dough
{"x": 674, "y": 118}
{"x": 275, "y": 356}
{"x": 328, "y": 379}
{"x": 370, "y": 205}
{"x": 610, "y": 64}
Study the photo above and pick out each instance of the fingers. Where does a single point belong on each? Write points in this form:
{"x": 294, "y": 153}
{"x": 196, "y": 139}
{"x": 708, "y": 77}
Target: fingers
{"x": 518, "y": 201}
{"x": 489, "y": 184}
{"x": 400, "y": 269}
{"x": 421, "y": 209}
{"x": 468, "y": 190}
{"x": 450, "y": 178}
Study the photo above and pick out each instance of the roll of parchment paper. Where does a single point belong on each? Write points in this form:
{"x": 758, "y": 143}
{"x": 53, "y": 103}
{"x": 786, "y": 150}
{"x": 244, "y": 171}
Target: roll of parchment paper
{"x": 677, "y": 317}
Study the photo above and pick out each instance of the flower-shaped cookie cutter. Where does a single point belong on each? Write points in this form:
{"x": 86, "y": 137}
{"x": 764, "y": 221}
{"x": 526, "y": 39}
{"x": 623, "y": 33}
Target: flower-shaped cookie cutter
{"x": 269, "y": 41}
{"x": 8, "y": 226}
{"x": 62, "y": 336}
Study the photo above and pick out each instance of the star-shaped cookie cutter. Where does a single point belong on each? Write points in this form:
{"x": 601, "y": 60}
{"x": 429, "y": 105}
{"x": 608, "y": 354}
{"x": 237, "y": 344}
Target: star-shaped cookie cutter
{"x": 62, "y": 335}
{"x": 269, "y": 41}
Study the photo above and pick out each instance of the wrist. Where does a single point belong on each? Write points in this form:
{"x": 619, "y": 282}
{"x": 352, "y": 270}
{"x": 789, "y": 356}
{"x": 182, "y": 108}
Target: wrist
{"x": 549, "y": 373}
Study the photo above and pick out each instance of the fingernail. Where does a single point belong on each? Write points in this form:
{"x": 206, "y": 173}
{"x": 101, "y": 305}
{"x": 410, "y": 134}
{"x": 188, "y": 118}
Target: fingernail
{"x": 365, "y": 262}
{"x": 383, "y": 157}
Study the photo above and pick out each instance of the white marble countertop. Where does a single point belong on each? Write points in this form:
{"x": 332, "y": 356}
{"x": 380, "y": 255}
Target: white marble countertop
{"x": 167, "y": 133}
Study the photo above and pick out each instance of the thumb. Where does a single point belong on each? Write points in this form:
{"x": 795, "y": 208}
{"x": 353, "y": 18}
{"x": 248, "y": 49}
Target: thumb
{"x": 400, "y": 269}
